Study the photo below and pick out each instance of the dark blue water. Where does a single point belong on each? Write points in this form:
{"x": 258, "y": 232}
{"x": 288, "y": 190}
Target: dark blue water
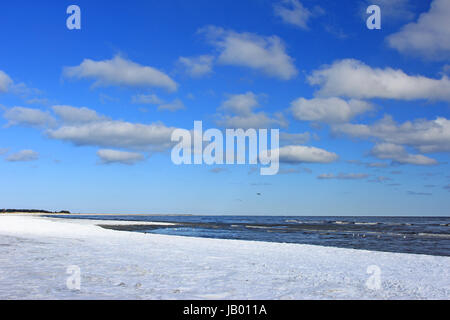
{"x": 422, "y": 235}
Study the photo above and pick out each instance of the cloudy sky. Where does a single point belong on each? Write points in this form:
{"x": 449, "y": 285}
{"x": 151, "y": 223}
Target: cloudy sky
{"x": 86, "y": 115}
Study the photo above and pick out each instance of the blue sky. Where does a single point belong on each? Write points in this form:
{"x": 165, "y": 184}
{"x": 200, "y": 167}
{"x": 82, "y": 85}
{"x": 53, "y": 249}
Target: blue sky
{"x": 86, "y": 115}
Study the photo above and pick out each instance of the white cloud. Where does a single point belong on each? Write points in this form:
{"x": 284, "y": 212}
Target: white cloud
{"x": 175, "y": 105}
{"x": 7, "y": 85}
{"x": 146, "y": 99}
{"x": 293, "y": 12}
{"x": 369, "y": 164}
{"x": 344, "y": 176}
{"x": 293, "y": 170}
{"x": 24, "y": 155}
{"x": 294, "y": 138}
{"x": 239, "y": 113}
{"x": 41, "y": 101}
{"x": 330, "y": 110}
{"x": 399, "y": 154}
{"x": 116, "y": 134}
{"x": 429, "y": 36}
{"x": 266, "y": 54}
{"x": 391, "y": 10}
{"x": 414, "y": 193}
{"x": 104, "y": 98}
{"x": 446, "y": 69}
{"x": 241, "y": 104}
{"x": 197, "y": 66}
{"x": 73, "y": 115}
{"x": 28, "y": 117}
{"x": 108, "y": 156}
{"x": 304, "y": 154}
{"x": 120, "y": 72}
{"x": 254, "y": 120}
{"x": 5, "y": 82}
{"x": 380, "y": 179}
{"x": 427, "y": 136}
{"x": 354, "y": 79}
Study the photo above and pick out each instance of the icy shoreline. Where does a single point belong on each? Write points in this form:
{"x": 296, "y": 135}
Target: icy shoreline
{"x": 35, "y": 253}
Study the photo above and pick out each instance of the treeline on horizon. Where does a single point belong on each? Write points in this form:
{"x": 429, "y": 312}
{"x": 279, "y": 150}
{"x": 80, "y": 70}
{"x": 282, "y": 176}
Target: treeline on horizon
{"x": 31, "y": 211}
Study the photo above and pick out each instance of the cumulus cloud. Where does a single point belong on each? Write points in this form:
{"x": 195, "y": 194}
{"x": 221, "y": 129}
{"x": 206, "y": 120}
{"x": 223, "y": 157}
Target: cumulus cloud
{"x": 293, "y": 170}
{"x": 28, "y": 117}
{"x": 265, "y": 54}
{"x": 369, "y": 164}
{"x": 7, "y": 85}
{"x": 304, "y": 154}
{"x": 41, "y": 101}
{"x": 446, "y": 69}
{"x": 391, "y": 10}
{"x": 197, "y": 66}
{"x": 293, "y": 12}
{"x": 294, "y": 138}
{"x": 354, "y": 79}
{"x": 116, "y": 134}
{"x": 72, "y": 115}
{"x": 343, "y": 176}
{"x": 377, "y": 165}
{"x": 238, "y": 112}
{"x": 146, "y": 99}
{"x": 414, "y": 193}
{"x": 427, "y": 136}
{"x": 175, "y": 105}
{"x": 5, "y": 82}
{"x": 22, "y": 156}
{"x": 329, "y": 110}
{"x": 258, "y": 120}
{"x": 429, "y": 36}
{"x": 242, "y": 104}
{"x": 172, "y": 106}
{"x": 380, "y": 179}
{"x": 399, "y": 154}
{"x": 108, "y": 156}
{"x": 120, "y": 72}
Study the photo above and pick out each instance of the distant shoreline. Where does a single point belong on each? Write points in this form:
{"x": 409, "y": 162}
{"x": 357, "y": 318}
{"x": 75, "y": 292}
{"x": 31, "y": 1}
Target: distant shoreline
{"x": 33, "y": 213}
{"x": 89, "y": 214}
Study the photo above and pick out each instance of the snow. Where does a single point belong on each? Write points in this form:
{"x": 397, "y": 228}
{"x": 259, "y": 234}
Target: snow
{"x": 35, "y": 253}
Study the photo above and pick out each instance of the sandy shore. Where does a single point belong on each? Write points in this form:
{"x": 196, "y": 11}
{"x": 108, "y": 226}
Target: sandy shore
{"x": 37, "y": 252}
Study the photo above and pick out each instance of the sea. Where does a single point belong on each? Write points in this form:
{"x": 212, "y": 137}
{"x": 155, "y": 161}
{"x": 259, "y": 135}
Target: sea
{"x": 419, "y": 235}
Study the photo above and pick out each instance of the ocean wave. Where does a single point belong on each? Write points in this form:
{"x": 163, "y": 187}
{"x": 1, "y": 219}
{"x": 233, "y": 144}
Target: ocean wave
{"x": 440, "y": 235}
{"x": 368, "y": 223}
{"x": 257, "y": 227}
{"x": 293, "y": 221}
{"x": 342, "y": 222}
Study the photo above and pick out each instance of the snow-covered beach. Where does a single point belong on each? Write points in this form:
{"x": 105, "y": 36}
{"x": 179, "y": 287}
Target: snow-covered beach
{"x": 36, "y": 252}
